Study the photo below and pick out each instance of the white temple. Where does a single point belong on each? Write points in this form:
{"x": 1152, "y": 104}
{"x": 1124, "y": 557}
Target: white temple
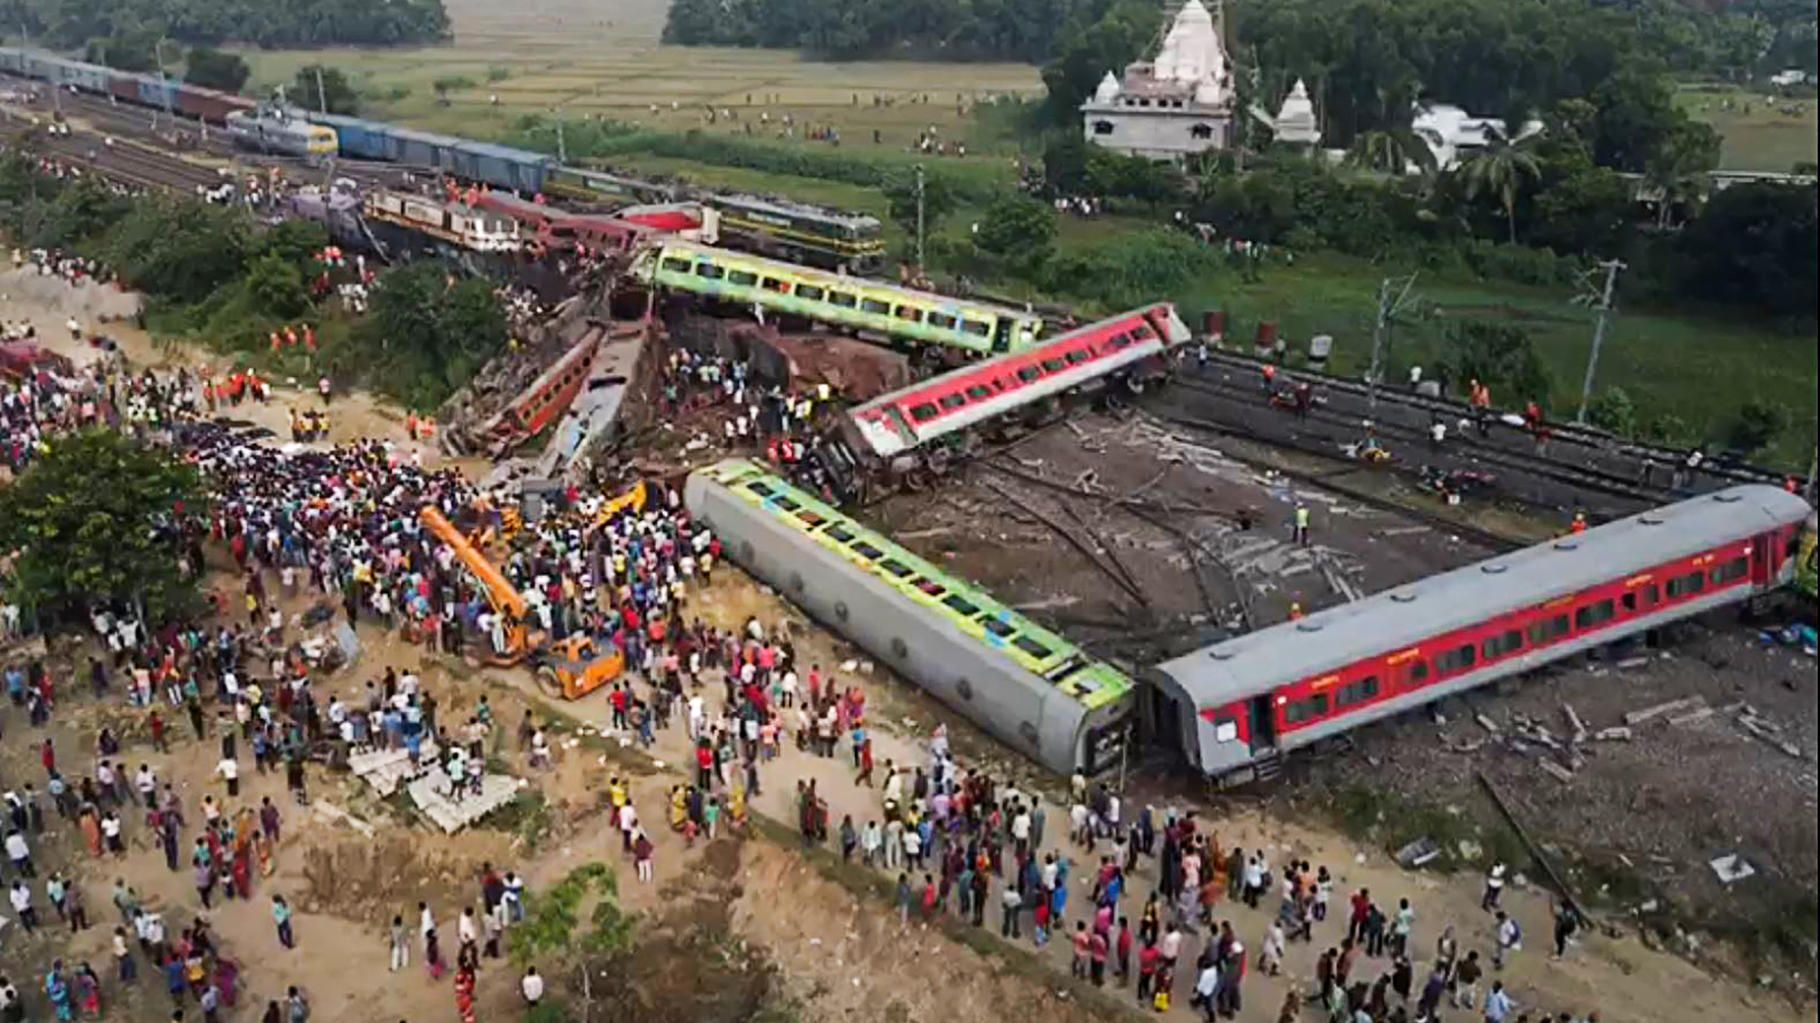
{"x": 1175, "y": 105}
{"x": 1295, "y": 123}
{"x": 1453, "y": 135}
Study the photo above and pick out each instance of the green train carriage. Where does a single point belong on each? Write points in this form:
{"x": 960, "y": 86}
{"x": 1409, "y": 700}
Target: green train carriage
{"x": 1025, "y": 685}
{"x": 903, "y": 315}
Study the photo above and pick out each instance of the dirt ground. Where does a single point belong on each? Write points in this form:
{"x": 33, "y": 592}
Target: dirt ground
{"x": 838, "y": 955}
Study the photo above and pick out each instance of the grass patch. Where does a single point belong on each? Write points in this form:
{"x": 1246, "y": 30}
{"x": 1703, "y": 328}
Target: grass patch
{"x": 527, "y": 817}
{"x": 1759, "y": 133}
{"x": 1390, "y": 822}
{"x": 1698, "y": 369}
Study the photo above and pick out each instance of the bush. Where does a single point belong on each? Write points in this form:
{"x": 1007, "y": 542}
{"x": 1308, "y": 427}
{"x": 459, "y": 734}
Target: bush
{"x": 1756, "y": 425}
{"x": 1613, "y": 412}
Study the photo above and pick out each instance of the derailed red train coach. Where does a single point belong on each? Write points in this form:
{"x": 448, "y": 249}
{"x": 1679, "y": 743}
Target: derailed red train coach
{"x": 1239, "y": 705}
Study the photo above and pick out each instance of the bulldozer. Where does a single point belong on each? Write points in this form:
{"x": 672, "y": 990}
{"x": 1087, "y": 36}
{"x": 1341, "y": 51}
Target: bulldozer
{"x": 571, "y": 667}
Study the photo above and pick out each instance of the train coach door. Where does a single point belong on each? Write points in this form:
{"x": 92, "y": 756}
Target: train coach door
{"x": 1263, "y": 724}
{"x": 1001, "y": 335}
{"x": 1762, "y": 560}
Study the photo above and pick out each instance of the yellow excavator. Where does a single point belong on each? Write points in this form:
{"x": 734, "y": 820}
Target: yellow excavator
{"x": 571, "y": 668}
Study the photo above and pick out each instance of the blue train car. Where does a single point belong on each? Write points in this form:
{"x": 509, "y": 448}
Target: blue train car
{"x": 154, "y": 93}
{"x": 421, "y": 149}
{"x": 502, "y": 166}
{"x": 361, "y": 139}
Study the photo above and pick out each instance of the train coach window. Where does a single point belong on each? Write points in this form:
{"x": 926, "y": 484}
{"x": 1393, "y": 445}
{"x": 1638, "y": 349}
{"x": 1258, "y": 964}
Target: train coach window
{"x": 1029, "y": 374}
{"x": 760, "y": 488}
{"x": 904, "y": 312}
{"x": 839, "y": 532}
{"x": 1418, "y": 672}
{"x": 1651, "y": 595}
{"x": 924, "y": 412}
{"x": 1077, "y": 356}
{"x": 1033, "y": 648}
{"x": 953, "y": 401}
{"x": 929, "y": 586}
{"x": 996, "y": 627}
{"x": 1549, "y": 631}
{"x": 810, "y": 292}
{"x": 1458, "y": 659}
{"x": 1594, "y": 614}
{"x": 1142, "y": 332}
{"x": 709, "y": 270}
{"x": 679, "y": 266}
{"x": 788, "y": 503}
{"x": 979, "y": 392}
{"x": 1686, "y": 585}
{"x": 842, "y": 299}
{"x": 895, "y": 567}
{"x": 1498, "y": 646}
{"x": 874, "y": 306}
{"x": 743, "y": 278}
{"x": 1357, "y": 692}
{"x": 1225, "y": 729}
{"x": 866, "y": 550}
{"x": 1736, "y": 568}
{"x": 809, "y": 518}
{"x": 975, "y": 327}
{"x": 773, "y": 284}
{"x": 1054, "y": 365}
{"x": 942, "y": 320}
{"x": 961, "y": 605}
{"x": 1306, "y": 710}
{"x": 1069, "y": 668}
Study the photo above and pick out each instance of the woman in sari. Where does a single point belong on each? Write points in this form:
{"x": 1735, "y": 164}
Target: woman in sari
{"x": 736, "y": 806}
{"x": 679, "y": 808}
{"x": 243, "y": 864}
{"x": 464, "y": 993}
{"x": 91, "y": 829}
{"x": 88, "y": 992}
{"x": 57, "y": 989}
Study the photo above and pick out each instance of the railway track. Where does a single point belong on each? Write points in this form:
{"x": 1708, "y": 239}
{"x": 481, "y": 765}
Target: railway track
{"x": 1647, "y": 463}
{"x": 1582, "y": 478}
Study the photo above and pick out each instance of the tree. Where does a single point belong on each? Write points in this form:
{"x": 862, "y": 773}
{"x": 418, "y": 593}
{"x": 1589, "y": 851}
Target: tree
{"x": 1500, "y": 170}
{"x": 428, "y": 332}
{"x": 1678, "y": 166}
{"x": 1499, "y": 356}
{"x": 176, "y": 247}
{"x": 277, "y": 286}
{"x": 1756, "y": 426}
{"x": 1614, "y": 412}
{"x": 323, "y": 88}
{"x": 100, "y": 518}
{"x": 1390, "y": 151}
{"x": 1753, "y": 246}
{"x": 1017, "y": 227}
{"x": 135, "y": 51}
{"x": 214, "y": 69}
{"x": 552, "y": 932}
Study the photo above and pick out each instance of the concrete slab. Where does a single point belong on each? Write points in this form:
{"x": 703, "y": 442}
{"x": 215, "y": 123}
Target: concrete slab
{"x": 430, "y": 791}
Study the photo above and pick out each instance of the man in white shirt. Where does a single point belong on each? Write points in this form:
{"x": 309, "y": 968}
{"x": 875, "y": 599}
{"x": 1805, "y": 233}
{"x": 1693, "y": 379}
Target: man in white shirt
{"x": 22, "y": 906}
{"x": 531, "y": 986}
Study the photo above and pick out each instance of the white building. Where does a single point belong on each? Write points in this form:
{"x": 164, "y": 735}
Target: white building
{"x": 1452, "y": 135}
{"x": 1175, "y": 105}
{"x": 1295, "y": 123}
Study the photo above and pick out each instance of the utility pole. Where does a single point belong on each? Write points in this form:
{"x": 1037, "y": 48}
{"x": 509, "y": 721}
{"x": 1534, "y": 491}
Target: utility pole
{"x": 1380, "y": 335}
{"x": 919, "y": 218}
{"x": 322, "y": 96}
{"x": 1611, "y": 267}
{"x": 164, "y": 88}
{"x": 562, "y": 149}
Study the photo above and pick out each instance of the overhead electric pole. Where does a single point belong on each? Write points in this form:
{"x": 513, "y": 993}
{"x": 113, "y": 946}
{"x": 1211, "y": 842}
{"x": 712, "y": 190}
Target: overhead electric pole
{"x": 562, "y": 147}
{"x": 1611, "y": 267}
{"x": 919, "y": 218}
{"x": 1380, "y": 335}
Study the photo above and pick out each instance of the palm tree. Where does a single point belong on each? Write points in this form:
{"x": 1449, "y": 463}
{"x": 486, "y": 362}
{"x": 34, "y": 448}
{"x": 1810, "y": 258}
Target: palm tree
{"x": 1391, "y": 151}
{"x": 1499, "y": 169}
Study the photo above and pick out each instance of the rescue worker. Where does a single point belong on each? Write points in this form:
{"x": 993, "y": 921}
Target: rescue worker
{"x": 1579, "y": 523}
{"x": 1301, "y": 524}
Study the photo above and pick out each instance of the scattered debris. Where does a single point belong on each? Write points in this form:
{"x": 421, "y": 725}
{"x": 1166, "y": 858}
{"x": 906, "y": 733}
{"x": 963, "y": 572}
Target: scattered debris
{"x": 330, "y": 812}
{"x": 1486, "y": 723}
{"x": 1693, "y": 716}
{"x": 1732, "y": 867}
{"x": 1618, "y": 733}
{"x": 431, "y": 790}
{"x": 1637, "y": 717}
{"x": 1561, "y": 774}
{"x": 1574, "y": 722}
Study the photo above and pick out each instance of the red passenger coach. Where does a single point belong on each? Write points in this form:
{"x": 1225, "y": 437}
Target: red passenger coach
{"x": 1240, "y": 704}
{"x": 958, "y": 399}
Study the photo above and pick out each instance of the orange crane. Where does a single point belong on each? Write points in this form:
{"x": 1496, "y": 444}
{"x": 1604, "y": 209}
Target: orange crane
{"x": 571, "y": 667}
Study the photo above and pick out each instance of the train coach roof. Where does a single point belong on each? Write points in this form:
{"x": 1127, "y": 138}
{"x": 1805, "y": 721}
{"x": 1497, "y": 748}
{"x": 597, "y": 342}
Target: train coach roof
{"x": 506, "y": 152}
{"x": 1253, "y": 663}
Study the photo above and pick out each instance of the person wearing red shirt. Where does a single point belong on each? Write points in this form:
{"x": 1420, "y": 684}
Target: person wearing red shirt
{"x": 1361, "y": 908}
{"x": 1148, "y": 961}
{"x": 1124, "y": 950}
{"x": 620, "y": 702}
{"x": 704, "y": 766}
{"x": 1096, "y": 951}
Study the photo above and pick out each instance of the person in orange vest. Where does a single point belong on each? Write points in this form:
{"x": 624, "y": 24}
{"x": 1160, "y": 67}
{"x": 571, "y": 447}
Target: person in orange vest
{"x": 276, "y": 342}
{"x": 290, "y": 337}
{"x": 410, "y": 425}
{"x": 1480, "y": 397}
{"x": 1579, "y": 523}
{"x": 1270, "y": 376}
{"x": 1295, "y": 610}
{"x": 1791, "y": 484}
{"x": 309, "y": 337}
